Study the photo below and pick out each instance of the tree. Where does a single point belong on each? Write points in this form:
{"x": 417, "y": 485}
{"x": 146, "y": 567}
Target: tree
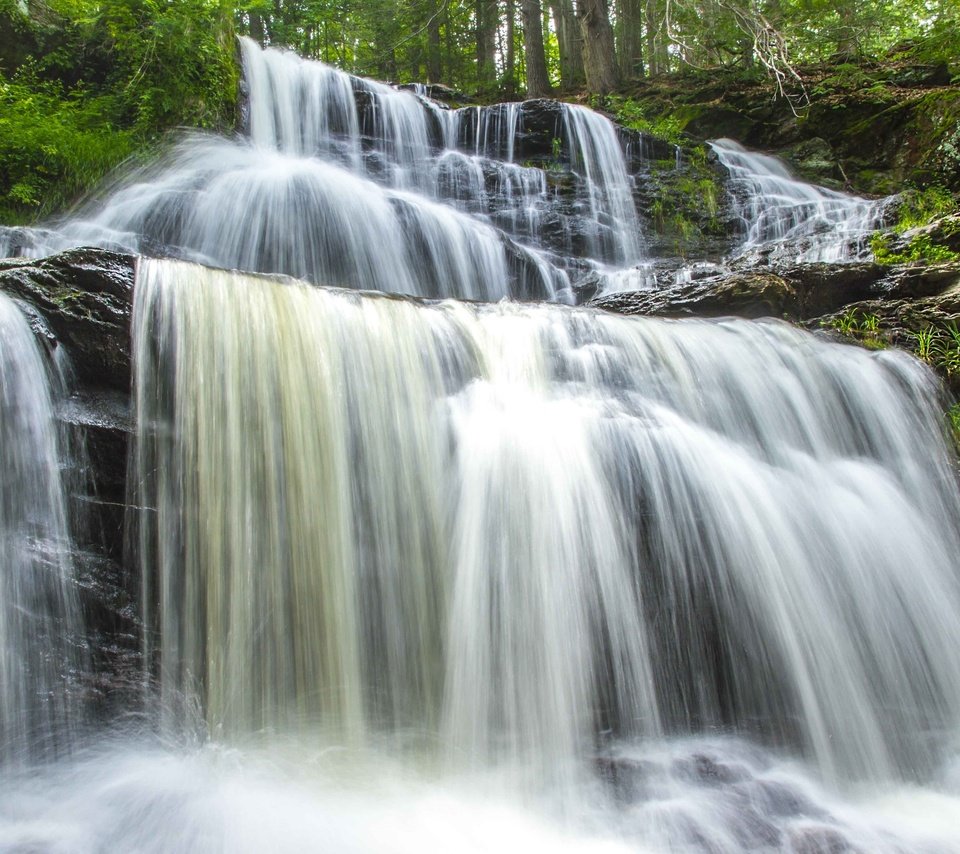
{"x": 569, "y": 42}
{"x": 538, "y": 82}
{"x": 485, "y": 29}
{"x": 599, "y": 56}
{"x": 630, "y": 38}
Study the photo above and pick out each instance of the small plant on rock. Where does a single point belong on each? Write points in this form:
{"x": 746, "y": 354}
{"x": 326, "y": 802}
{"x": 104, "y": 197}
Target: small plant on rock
{"x": 925, "y": 344}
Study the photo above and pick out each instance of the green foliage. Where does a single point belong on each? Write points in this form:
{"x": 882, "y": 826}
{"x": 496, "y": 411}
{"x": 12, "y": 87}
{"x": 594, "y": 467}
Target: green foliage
{"x": 939, "y": 347}
{"x": 953, "y": 424}
{"x": 633, "y": 115}
{"x": 920, "y": 207}
{"x": 921, "y": 248}
{"x": 925, "y": 343}
{"x": 105, "y": 79}
{"x": 861, "y": 326}
{"x": 53, "y": 147}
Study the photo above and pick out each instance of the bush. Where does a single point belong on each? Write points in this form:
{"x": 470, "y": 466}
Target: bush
{"x": 105, "y": 80}
{"x": 53, "y": 147}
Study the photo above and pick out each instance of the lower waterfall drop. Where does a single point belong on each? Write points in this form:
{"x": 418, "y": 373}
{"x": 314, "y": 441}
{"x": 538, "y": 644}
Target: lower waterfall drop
{"x": 472, "y": 577}
{"x": 516, "y": 530}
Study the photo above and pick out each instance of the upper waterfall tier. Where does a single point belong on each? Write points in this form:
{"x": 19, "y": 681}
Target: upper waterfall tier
{"x": 510, "y": 528}
{"x": 350, "y": 182}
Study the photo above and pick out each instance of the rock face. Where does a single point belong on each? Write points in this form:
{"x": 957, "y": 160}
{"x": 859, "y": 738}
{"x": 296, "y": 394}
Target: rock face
{"x": 799, "y": 292}
{"x": 867, "y": 127}
{"x": 84, "y": 297}
{"x": 81, "y": 301}
{"x": 912, "y": 306}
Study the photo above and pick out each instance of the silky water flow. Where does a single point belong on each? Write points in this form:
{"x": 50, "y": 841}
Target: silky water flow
{"x": 478, "y": 576}
{"x": 466, "y": 575}
{"x": 41, "y": 643}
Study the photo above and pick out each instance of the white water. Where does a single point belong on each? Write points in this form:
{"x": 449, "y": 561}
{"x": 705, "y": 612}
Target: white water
{"x": 799, "y": 221}
{"x": 492, "y": 577}
{"x": 303, "y": 797}
{"x": 349, "y": 182}
{"x": 469, "y": 577}
{"x": 39, "y": 614}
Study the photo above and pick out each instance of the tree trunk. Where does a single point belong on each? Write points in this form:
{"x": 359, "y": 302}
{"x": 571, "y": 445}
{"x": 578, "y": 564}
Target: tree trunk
{"x": 570, "y": 42}
{"x": 434, "y": 54}
{"x": 658, "y": 55}
{"x": 848, "y": 43}
{"x": 510, "y": 51}
{"x": 630, "y": 41}
{"x": 257, "y": 31}
{"x": 486, "y": 32}
{"x": 538, "y": 81}
{"x": 599, "y": 56}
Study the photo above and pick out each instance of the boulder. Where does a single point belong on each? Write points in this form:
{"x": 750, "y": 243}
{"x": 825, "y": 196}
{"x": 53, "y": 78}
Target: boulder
{"x": 822, "y": 287}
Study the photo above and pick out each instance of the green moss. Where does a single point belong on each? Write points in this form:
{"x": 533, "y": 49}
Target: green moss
{"x": 686, "y": 203}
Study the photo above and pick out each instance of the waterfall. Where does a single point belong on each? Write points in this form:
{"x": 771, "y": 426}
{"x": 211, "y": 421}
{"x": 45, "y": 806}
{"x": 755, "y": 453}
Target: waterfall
{"x": 39, "y": 613}
{"x": 419, "y": 573}
{"x": 349, "y": 182}
{"x": 509, "y": 529}
{"x": 800, "y": 221}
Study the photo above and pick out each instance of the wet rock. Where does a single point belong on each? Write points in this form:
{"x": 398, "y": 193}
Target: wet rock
{"x": 640, "y": 149}
{"x": 924, "y": 326}
{"x": 823, "y": 287}
{"x": 814, "y": 160}
{"x": 747, "y": 294}
{"x": 710, "y": 771}
{"x": 102, "y": 420}
{"x": 444, "y": 95}
{"x": 912, "y": 281}
{"x": 775, "y": 798}
{"x": 628, "y": 779}
{"x": 81, "y": 301}
{"x": 115, "y": 680}
{"x": 85, "y": 297}
{"x": 541, "y": 122}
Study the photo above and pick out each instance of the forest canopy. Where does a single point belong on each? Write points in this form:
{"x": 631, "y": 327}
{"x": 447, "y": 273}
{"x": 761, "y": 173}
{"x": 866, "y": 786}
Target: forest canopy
{"x": 85, "y": 84}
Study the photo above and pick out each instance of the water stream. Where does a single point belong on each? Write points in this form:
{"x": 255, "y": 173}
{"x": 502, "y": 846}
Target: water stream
{"x": 793, "y": 219}
{"x": 429, "y": 575}
{"x": 501, "y": 575}
{"x": 40, "y": 654}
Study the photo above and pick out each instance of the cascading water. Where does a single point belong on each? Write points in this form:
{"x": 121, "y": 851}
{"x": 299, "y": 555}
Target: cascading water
{"x": 595, "y": 579}
{"x": 471, "y": 577}
{"x": 39, "y": 613}
{"x": 512, "y": 500}
{"x": 350, "y": 182}
{"x": 796, "y": 220}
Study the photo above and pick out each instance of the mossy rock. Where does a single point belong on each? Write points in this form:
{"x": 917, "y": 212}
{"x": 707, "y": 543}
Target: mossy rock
{"x": 814, "y": 160}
